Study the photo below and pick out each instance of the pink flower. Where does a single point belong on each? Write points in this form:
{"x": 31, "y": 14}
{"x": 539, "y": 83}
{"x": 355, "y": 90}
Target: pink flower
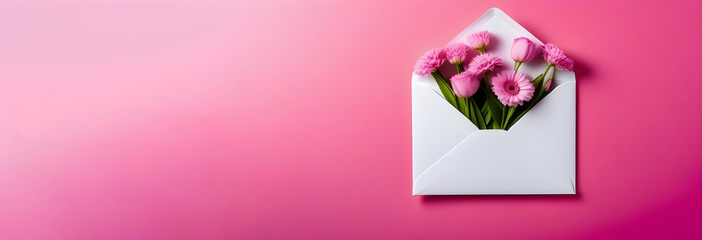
{"x": 556, "y": 56}
{"x": 483, "y": 63}
{"x": 429, "y": 62}
{"x": 523, "y": 50}
{"x": 512, "y": 88}
{"x": 456, "y": 52}
{"x": 479, "y": 40}
{"x": 549, "y": 85}
{"x": 465, "y": 84}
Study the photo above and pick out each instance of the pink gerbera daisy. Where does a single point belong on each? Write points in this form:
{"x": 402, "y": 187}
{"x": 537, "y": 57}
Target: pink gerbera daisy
{"x": 484, "y": 63}
{"x": 556, "y": 56}
{"x": 429, "y": 62}
{"x": 512, "y": 88}
{"x": 479, "y": 40}
{"x": 456, "y": 52}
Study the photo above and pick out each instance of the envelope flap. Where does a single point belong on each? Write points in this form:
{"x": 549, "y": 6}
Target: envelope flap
{"x": 436, "y": 125}
{"x": 493, "y": 162}
{"x": 550, "y": 128}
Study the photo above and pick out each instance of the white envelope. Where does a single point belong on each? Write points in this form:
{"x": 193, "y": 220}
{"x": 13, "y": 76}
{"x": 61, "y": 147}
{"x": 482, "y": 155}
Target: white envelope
{"x": 536, "y": 156}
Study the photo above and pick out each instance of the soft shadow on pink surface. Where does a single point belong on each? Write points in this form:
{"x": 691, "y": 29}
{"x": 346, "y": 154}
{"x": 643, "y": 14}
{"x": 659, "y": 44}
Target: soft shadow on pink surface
{"x": 468, "y": 199}
{"x": 583, "y": 73}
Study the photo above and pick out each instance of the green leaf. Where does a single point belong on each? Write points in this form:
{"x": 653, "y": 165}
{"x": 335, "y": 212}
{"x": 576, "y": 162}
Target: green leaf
{"x": 491, "y": 101}
{"x": 504, "y": 115}
{"x": 495, "y": 125}
{"x": 486, "y": 113}
{"x": 487, "y": 117}
{"x": 480, "y": 122}
{"x": 510, "y": 112}
{"x": 519, "y": 110}
{"x": 538, "y": 85}
{"x": 465, "y": 103}
{"x": 445, "y": 89}
{"x": 464, "y": 107}
{"x": 471, "y": 111}
{"x": 483, "y": 109}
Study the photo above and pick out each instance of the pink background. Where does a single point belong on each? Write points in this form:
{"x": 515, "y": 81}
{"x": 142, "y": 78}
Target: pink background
{"x": 285, "y": 120}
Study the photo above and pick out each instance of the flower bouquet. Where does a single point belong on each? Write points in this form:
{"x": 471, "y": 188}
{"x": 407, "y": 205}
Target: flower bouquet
{"x": 493, "y": 112}
{"x": 505, "y": 95}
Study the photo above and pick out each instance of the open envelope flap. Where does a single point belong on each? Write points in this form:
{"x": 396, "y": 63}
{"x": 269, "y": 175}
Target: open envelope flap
{"x": 537, "y": 156}
{"x": 436, "y": 125}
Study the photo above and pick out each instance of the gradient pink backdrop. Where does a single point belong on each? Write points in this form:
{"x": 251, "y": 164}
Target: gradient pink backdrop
{"x": 287, "y": 120}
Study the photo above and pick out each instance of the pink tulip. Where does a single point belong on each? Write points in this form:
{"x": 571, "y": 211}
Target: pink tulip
{"x": 523, "y": 50}
{"x": 465, "y": 84}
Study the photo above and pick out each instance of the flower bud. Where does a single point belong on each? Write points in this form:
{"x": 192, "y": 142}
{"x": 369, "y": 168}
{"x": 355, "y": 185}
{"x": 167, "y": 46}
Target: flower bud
{"x": 465, "y": 84}
{"x": 549, "y": 85}
{"x": 523, "y": 50}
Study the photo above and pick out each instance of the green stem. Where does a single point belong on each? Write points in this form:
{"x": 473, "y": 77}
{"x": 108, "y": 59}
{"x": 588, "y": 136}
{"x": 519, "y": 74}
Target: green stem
{"x": 505, "y": 125}
{"x": 477, "y": 116}
{"x": 504, "y": 117}
{"x": 517, "y": 65}
{"x": 465, "y": 107}
{"x": 485, "y": 112}
{"x": 547, "y": 68}
{"x": 459, "y": 68}
{"x": 553, "y": 75}
{"x": 541, "y": 89}
{"x": 491, "y": 101}
{"x": 539, "y": 85}
{"x": 471, "y": 112}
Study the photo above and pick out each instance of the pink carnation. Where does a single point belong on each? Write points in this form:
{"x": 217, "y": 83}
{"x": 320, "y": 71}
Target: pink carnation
{"x": 479, "y": 40}
{"x": 484, "y": 63}
{"x": 429, "y": 62}
{"x": 465, "y": 84}
{"x": 512, "y": 88}
{"x": 456, "y": 52}
{"x": 556, "y": 56}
